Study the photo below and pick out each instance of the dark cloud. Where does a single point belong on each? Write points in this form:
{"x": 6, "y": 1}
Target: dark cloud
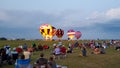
{"x": 26, "y": 24}
{"x": 111, "y": 26}
{"x": 106, "y": 30}
{"x": 28, "y": 19}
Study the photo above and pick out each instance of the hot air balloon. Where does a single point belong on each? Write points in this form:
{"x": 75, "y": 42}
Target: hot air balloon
{"x": 71, "y": 33}
{"x": 52, "y": 33}
{"x": 47, "y": 31}
{"x": 78, "y": 34}
{"x": 59, "y": 33}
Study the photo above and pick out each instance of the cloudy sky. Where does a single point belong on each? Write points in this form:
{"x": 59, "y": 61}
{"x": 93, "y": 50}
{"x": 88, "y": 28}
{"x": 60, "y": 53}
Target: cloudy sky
{"x": 94, "y": 18}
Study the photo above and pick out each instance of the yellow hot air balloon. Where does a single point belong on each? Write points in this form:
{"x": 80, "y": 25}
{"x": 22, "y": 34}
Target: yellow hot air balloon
{"x": 47, "y": 31}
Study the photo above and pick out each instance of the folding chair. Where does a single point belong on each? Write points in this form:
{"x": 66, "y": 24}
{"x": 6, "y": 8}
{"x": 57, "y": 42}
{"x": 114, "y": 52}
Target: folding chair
{"x": 22, "y": 63}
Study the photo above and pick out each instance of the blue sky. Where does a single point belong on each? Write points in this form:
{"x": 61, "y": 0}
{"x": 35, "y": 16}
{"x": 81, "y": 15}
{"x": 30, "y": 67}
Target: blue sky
{"x": 94, "y": 18}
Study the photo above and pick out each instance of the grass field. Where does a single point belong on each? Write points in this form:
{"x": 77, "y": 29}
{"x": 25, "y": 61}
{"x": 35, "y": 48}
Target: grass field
{"x": 109, "y": 60}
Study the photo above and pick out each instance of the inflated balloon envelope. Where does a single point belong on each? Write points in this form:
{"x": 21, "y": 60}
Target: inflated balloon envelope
{"x": 47, "y": 31}
{"x": 59, "y": 33}
{"x": 71, "y": 33}
{"x": 78, "y": 34}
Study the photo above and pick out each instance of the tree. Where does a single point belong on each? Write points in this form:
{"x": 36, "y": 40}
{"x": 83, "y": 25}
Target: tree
{"x": 3, "y": 38}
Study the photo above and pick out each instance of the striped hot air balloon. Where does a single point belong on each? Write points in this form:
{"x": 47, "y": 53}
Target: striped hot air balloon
{"x": 71, "y": 33}
{"x": 59, "y": 33}
{"x": 78, "y": 34}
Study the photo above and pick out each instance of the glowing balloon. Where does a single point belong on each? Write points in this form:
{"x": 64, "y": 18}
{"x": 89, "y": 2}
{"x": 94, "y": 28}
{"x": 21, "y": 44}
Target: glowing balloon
{"x": 53, "y": 32}
{"x": 59, "y": 33}
{"x": 47, "y": 31}
{"x": 71, "y": 33}
{"x": 78, "y": 34}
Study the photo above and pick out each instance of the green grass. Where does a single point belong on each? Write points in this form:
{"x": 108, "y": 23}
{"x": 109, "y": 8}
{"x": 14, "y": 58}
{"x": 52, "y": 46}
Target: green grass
{"x": 109, "y": 60}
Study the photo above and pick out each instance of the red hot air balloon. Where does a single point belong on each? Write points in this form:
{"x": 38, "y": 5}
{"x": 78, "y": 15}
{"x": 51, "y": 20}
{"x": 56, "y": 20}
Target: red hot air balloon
{"x": 59, "y": 33}
{"x": 71, "y": 33}
{"x": 78, "y": 34}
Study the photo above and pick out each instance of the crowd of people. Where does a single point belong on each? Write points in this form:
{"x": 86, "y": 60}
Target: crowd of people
{"x": 10, "y": 55}
{"x": 21, "y": 55}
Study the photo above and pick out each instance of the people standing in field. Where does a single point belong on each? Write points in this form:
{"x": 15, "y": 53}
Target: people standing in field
{"x": 63, "y": 51}
{"x": 57, "y": 52}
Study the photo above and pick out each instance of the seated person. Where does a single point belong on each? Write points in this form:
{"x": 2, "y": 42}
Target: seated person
{"x": 40, "y": 47}
{"x": 52, "y": 62}
{"x": 96, "y": 51}
{"x": 25, "y": 46}
{"x": 34, "y": 46}
{"x": 30, "y": 49}
{"x": 117, "y": 46}
{"x": 102, "y": 50}
{"x": 14, "y": 54}
{"x": 45, "y": 47}
{"x": 19, "y": 50}
{"x": 84, "y": 51}
{"x": 22, "y": 62}
{"x": 0, "y": 61}
{"x": 3, "y": 56}
{"x": 69, "y": 50}
{"x": 27, "y": 54}
{"x": 42, "y": 62}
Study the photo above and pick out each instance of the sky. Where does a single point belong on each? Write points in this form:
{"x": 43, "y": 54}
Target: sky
{"x": 94, "y": 18}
